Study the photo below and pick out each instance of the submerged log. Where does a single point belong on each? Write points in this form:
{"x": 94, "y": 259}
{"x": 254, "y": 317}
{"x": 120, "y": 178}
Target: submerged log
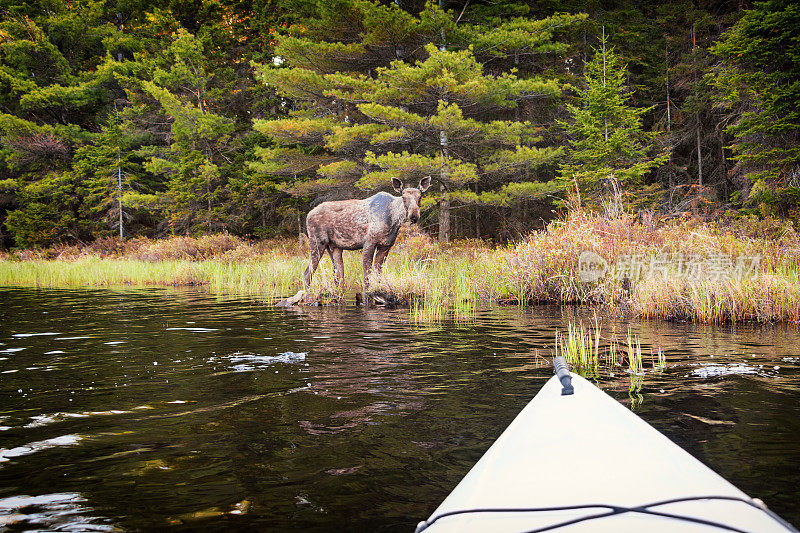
{"x": 292, "y": 300}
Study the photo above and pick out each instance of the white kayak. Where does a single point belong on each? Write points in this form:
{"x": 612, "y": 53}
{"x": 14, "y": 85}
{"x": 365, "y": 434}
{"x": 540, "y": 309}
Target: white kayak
{"x": 584, "y": 463}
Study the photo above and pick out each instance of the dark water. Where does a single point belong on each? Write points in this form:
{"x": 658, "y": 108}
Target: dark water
{"x": 161, "y": 409}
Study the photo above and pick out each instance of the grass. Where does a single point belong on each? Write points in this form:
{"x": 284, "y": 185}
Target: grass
{"x": 580, "y": 346}
{"x": 634, "y": 353}
{"x": 449, "y": 281}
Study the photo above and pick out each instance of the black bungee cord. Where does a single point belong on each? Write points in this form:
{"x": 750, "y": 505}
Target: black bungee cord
{"x": 618, "y": 510}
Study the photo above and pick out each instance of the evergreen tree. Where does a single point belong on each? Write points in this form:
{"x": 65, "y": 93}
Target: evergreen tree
{"x": 693, "y": 127}
{"x": 607, "y": 142}
{"x": 112, "y": 185}
{"x": 163, "y": 95}
{"x": 197, "y": 139}
{"x": 758, "y": 85}
{"x": 74, "y": 107}
{"x": 411, "y": 111}
{"x": 44, "y": 112}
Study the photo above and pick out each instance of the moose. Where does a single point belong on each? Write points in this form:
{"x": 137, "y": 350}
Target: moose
{"x": 370, "y": 225}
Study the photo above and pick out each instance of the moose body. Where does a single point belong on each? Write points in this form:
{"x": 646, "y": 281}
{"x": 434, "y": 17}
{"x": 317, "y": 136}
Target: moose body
{"x": 370, "y": 225}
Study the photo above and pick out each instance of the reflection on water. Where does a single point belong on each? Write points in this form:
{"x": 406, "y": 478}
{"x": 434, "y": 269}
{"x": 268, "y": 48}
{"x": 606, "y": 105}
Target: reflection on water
{"x": 51, "y": 512}
{"x": 165, "y": 409}
{"x": 244, "y": 362}
{"x": 33, "y": 447}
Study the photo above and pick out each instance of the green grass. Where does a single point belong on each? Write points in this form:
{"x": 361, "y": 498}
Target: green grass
{"x": 442, "y": 282}
{"x": 634, "y": 353}
{"x": 581, "y": 347}
{"x": 267, "y": 279}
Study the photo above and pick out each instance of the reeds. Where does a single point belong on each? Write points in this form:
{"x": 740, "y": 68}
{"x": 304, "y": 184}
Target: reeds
{"x": 449, "y": 281}
{"x": 634, "y": 353}
{"x": 580, "y": 346}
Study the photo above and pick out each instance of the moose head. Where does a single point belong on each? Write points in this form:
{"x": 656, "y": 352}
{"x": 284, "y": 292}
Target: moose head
{"x": 411, "y": 196}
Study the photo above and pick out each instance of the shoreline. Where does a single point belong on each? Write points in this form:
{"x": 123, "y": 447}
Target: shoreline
{"x": 679, "y": 270}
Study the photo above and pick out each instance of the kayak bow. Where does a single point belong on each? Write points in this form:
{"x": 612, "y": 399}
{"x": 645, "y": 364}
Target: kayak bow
{"x": 575, "y": 460}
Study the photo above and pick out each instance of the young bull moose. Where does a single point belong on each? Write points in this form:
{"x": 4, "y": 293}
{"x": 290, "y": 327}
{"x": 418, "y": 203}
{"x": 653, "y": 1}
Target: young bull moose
{"x": 371, "y": 224}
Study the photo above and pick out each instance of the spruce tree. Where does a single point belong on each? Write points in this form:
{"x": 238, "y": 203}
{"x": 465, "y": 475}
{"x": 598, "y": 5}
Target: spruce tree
{"x": 606, "y": 140}
{"x": 197, "y": 140}
{"x": 74, "y": 106}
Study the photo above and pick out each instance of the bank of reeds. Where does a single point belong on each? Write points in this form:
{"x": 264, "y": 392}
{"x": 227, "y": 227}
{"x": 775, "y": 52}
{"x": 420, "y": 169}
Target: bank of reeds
{"x": 690, "y": 269}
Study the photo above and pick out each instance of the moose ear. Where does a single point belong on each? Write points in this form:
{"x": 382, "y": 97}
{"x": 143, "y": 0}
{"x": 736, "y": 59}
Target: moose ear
{"x": 397, "y": 184}
{"x": 424, "y": 184}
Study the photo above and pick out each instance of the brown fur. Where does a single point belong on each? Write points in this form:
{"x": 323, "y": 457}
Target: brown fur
{"x": 370, "y": 225}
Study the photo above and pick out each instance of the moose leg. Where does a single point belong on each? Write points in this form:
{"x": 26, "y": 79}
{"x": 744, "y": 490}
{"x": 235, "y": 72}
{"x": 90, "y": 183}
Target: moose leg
{"x": 330, "y": 254}
{"x": 380, "y": 257}
{"x": 368, "y": 254}
{"x": 313, "y": 260}
{"x": 338, "y": 264}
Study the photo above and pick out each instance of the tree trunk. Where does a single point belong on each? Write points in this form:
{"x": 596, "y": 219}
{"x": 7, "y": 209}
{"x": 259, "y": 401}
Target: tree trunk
{"x": 120, "y": 27}
{"x": 669, "y": 127}
{"x": 119, "y": 192}
{"x": 444, "y": 203}
{"x": 477, "y": 217}
{"x": 699, "y": 155}
{"x": 299, "y": 227}
{"x": 669, "y": 111}
{"x": 524, "y": 215}
{"x": 724, "y": 162}
{"x": 605, "y": 118}
{"x": 444, "y": 216}
{"x": 443, "y": 46}
{"x": 697, "y": 110}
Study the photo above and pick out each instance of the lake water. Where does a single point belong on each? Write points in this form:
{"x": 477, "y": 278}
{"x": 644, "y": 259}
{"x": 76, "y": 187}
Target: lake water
{"x": 168, "y": 409}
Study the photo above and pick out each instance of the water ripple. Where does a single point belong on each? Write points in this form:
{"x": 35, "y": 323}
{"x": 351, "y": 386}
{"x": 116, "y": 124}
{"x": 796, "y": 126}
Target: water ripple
{"x": 63, "y": 511}
{"x": 64, "y": 440}
{"x": 373, "y": 417}
{"x": 246, "y": 362}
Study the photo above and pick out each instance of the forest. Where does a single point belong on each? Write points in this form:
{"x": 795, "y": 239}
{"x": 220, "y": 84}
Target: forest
{"x": 191, "y": 117}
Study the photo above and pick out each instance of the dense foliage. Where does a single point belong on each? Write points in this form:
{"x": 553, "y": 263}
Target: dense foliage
{"x": 758, "y": 85}
{"x": 157, "y": 117}
{"x": 426, "y": 105}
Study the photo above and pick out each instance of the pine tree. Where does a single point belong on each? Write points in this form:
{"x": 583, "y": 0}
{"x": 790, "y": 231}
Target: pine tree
{"x": 37, "y": 133}
{"x": 112, "y": 184}
{"x": 607, "y": 143}
{"x": 71, "y": 73}
{"x": 394, "y": 109}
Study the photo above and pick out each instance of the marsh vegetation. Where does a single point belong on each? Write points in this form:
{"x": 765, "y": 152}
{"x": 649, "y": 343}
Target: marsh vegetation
{"x": 441, "y": 280}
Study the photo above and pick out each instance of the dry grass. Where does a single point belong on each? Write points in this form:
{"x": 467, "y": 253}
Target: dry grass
{"x": 440, "y": 281}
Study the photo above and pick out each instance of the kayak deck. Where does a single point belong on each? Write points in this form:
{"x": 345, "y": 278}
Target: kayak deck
{"x": 586, "y": 449}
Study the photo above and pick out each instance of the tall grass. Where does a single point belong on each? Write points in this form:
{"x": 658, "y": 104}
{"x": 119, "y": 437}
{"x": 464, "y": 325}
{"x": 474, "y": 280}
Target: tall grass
{"x": 449, "y": 281}
{"x": 634, "y": 352}
{"x": 580, "y": 346}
